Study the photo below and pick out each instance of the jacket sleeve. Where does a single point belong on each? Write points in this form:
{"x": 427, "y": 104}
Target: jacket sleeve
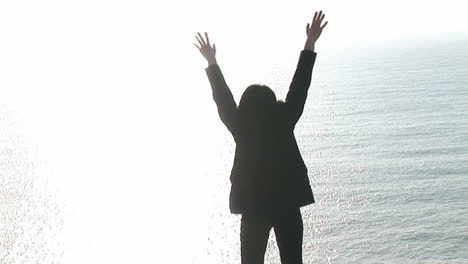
{"x": 297, "y": 93}
{"x": 222, "y": 97}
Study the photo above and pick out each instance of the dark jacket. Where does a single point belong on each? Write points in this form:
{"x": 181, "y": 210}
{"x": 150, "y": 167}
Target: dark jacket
{"x": 268, "y": 171}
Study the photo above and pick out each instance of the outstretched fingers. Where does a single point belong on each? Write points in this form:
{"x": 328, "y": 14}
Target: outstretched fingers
{"x": 318, "y": 17}
{"x": 200, "y": 39}
{"x": 318, "y": 20}
{"x": 200, "y": 44}
{"x": 326, "y": 23}
{"x": 203, "y": 41}
{"x": 207, "y": 49}
{"x": 207, "y": 39}
{"x": 321, "y": 18}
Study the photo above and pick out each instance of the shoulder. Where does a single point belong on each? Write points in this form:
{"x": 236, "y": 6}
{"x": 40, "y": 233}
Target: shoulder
{"x": 282, "y": 112}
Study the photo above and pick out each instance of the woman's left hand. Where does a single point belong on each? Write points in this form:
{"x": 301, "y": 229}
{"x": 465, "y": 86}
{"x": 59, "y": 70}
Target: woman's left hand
{"x": 205, "y": 48}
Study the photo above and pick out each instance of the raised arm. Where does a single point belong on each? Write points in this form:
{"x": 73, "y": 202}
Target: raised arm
{"x": 221, "y": 93}
{"x": 299, "y": 87}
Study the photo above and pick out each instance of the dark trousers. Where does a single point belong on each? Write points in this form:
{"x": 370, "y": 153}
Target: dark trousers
{"x": 255, "y": 230}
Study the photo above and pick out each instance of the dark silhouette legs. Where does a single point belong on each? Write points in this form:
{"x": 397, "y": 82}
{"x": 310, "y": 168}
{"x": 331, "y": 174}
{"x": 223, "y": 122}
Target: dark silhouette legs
{"x": 254, "y": 238}
{"x": 255, "y": 230}
{"x": 289, "y": 230}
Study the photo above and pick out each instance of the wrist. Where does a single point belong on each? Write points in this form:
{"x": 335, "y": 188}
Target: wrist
{"x": 211, "y": 61}
{"x": 309, "y": 45}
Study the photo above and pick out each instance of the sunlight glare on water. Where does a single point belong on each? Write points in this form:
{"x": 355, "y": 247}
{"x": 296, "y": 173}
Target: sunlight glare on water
{"x": 112, "y": 150}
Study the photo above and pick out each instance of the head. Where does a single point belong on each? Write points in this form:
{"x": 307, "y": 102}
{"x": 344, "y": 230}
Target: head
{"x": 257, "y": 100}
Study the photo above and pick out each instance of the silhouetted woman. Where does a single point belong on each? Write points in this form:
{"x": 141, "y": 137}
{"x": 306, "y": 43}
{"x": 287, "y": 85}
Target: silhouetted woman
{"x": 269, "y": 181}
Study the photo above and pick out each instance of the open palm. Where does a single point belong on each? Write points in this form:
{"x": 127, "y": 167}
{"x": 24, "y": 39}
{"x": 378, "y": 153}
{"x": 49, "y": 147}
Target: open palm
{"x": 315, "y": 30}
{"x": 205, "y": 48}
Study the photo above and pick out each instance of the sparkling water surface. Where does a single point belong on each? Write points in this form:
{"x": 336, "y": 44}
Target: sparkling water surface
{"x": 385, "y": 137}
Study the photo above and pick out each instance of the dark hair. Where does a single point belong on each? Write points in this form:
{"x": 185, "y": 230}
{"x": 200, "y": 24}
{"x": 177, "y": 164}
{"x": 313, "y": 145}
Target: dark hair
{"x": 257, "y": 99}
{"x": 257, "y": 110}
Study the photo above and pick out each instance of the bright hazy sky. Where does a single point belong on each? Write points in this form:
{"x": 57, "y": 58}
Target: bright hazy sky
{"x": 113, "y": 96}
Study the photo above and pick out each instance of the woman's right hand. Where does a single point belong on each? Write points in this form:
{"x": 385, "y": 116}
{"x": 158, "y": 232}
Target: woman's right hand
{"x": 315, "y": 30}
{"x": 205, "y": 48}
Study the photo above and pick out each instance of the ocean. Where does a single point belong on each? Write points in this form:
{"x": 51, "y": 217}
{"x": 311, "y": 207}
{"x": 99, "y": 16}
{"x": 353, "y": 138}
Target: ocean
{"x": 384, "y": 135}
